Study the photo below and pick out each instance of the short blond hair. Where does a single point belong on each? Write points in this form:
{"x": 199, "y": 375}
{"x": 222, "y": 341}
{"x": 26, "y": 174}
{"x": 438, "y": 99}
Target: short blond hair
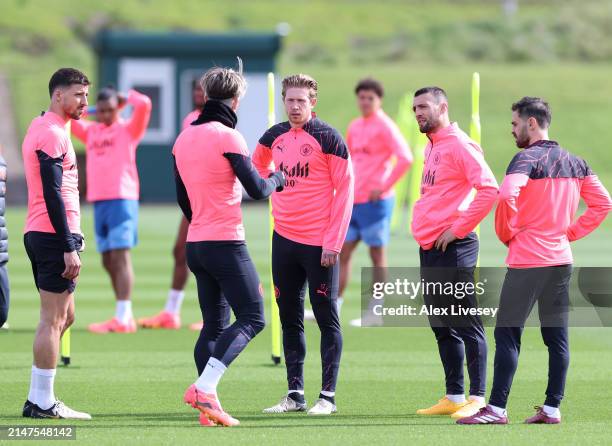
{"x": 300, "y": 81}
{"x": 224, "y": 83}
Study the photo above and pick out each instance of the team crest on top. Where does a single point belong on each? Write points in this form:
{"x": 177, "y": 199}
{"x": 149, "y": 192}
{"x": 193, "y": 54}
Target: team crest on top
{"x": 306, "y": 150}
{"x": 436, "y": 159}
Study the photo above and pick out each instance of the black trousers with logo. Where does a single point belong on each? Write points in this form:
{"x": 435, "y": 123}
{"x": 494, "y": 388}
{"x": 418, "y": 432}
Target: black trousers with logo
{"x": 293, "y": 266}
{"x": 457, "y": 336}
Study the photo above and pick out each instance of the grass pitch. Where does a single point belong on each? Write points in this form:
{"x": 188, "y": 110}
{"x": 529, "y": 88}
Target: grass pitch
{"x": 133, "y": 384}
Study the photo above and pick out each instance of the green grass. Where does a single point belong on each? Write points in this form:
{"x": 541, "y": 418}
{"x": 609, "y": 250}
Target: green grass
{"x": 133, "y": 384}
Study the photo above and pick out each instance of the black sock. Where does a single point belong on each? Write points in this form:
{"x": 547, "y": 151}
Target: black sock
{"x": 297, "y": 397}
{"x": 331, "y": 399}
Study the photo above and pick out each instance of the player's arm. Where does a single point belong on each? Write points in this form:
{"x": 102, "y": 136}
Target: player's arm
{"x": 598, "y": 204}
{"x": 181, "y": 194}
{"x": 480, "y": 176}
{"x": 141, "y": 113}
{"x": 506, "y": 207}
{"x": 256, "y": 186}
{"x": 403, "y": 157}
{"x": 51, "y": 172}
{"x": 262, "y": 156}
{"x": 342, "y": 178}
{"x": 237, "y": 153}
{"x": 262, "y": 160}
{"x": 79, "y": 128}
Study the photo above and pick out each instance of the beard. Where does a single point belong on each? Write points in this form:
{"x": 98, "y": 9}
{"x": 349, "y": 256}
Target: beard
{"x": 76, "y": 114}
{"x": 427, "y": 126}
{"x": 522, "y": 139}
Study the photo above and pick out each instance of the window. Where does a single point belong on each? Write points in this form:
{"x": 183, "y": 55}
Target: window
{"x": 156, "y": 79}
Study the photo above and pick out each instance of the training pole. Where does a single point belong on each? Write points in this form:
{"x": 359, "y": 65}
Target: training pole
{"x": 65, "y": 347}
{"x": 475, "y": 132}
{"x": 65, "y": 342}
{"x": 404, "y": 123}
{"x": 274, "y": 316}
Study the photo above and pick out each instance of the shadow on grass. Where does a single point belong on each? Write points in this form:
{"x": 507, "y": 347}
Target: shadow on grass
{"x": 189, "y": 420}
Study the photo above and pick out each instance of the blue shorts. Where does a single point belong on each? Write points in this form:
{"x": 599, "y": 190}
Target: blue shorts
{"x": 370, "y": 222}
{"x": 116, "y": 224}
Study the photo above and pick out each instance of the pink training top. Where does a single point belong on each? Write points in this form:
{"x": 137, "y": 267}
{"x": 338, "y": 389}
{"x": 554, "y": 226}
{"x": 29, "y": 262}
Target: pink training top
{"x": 316, "y": 204}
{"x": 454, "y": 165}
{"x": 538, "y": 201}
{"x": 48, "y": 133}
{"x": 374, "y": 142}
{"x": 111, "y": 152}
{"x": 213, "y": 189}
{"x": 190, "y": 117}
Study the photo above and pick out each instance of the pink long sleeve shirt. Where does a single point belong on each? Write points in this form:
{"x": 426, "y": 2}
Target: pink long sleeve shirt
{"x": 538, "y": 200}
{"x": 454, "y": 165}
{"x": 316, "y": 204}
{"x": 374, "y": 143}
{"x": 111, "y": 152}
{"x": 47, "y": 133}
{"x": 213, "y": 189}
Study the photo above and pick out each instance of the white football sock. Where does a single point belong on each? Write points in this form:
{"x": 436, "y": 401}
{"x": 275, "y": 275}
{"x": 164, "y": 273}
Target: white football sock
{"x": 456, "y": 398}
{"x": 44, "y": 396}
{"x": 498, "y": 410}
{"x": 33, "y": 384}
{"x": 210, "y": 377}
{"x": 174, "y": 302}
{"x": 123, "y": 311}
{"x": 553, "y": 412}
{"x": 480, "y": 399}
{"x": 301, "y": 392}
{"x": 328, "y": 394}
{"x": 339, "y": 303}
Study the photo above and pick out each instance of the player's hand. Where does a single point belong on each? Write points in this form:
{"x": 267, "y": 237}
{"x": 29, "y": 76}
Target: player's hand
{"x": 73, "y": 265}
{"x": 375, "y": 194}
{"x": 121, "y": 100}
{"x": 280, "y": 176}
{"x": 328, "y": 258}
{"x": 444, "y": 240}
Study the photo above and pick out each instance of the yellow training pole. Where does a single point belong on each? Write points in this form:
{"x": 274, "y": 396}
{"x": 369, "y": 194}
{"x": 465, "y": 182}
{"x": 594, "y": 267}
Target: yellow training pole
{"x": 65, "y": 343}
{"x": 274, "y": 316}
{"x": 416, "y": 170}
{"x": 65, "y": 347}
{"x": 404, "y": 118}
{"x": 475, "y": 132}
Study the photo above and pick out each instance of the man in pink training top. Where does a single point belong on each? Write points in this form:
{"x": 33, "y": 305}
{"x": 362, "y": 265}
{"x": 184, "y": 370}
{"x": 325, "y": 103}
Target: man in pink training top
{"x": 113, "y": 188}
{"x": 170, "y": 317}
{"x": 311, "y": 217}
{"x": 212, "y": 160}
{"x": 443, "y": 224}
{"x": 380, "y": 158}
{"x": 53, "y": 235}
{"x": 535, "y": 218}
